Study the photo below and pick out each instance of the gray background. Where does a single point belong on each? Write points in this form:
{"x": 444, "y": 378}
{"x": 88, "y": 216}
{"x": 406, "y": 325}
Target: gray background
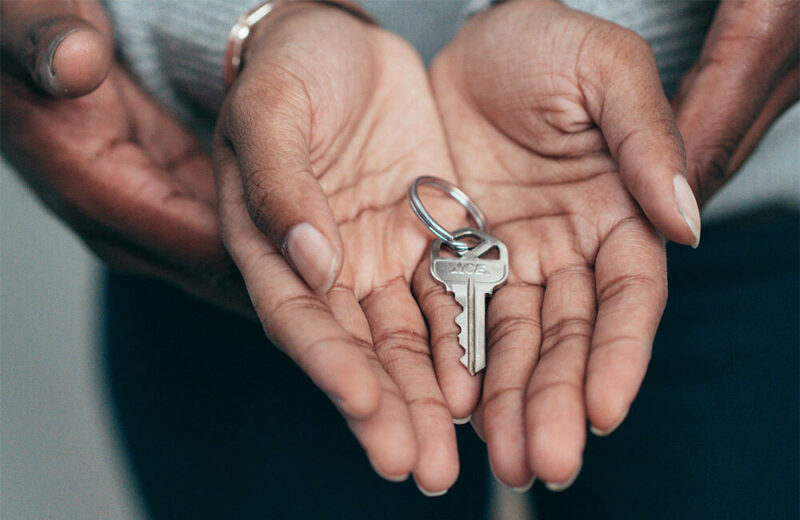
{"x": 59, "y": 457}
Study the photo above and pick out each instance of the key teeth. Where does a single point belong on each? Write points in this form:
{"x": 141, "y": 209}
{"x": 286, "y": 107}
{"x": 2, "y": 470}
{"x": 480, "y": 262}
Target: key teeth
{"x": 461, "y": 321}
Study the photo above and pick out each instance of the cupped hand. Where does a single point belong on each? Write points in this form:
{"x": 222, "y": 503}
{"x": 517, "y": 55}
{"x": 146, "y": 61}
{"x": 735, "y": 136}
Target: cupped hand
{"x": 747, "y": 75}
{"x": 123, "y": 174}
{"x": 558, "y": 125}
{"x": 317, "y": 143}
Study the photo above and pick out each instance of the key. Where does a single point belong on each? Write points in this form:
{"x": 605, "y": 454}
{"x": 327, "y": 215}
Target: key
{"x": 471, "y": 277}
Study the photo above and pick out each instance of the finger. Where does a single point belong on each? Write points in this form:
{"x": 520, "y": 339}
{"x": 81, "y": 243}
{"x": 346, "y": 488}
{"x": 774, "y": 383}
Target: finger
{"x": 62, "y": 52}
{"x": 555, "y": 417}
{"x": 477, "y": 422}
{"x": 631, "y": 291}
{"x": 268, "y": 126}
{"x": 748, "y": 49}
{"x": 168, "y": 143}
{"x": 401, "y": 343}
{"x": 90, "y": 172}
{"x": 387, "y": 435}
{"x": 460, "y": 389}
{"x": 294, "y": 318}
{"x": 627, "y": 101}
{"x": 784, "y": 96}
{"x": 514, "y": 332}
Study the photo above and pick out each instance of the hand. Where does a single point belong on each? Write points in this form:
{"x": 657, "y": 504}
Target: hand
{"x": 124, "y": 175}
{"x": 558, "y": 124}
{"x": 746, "y": 77}
{"x": 316, "y": 145}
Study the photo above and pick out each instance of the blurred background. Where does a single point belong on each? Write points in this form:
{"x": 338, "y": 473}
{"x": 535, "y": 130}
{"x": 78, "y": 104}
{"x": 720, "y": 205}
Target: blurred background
{"x": 59, "y": 458}
{"x": 59, "y": 455}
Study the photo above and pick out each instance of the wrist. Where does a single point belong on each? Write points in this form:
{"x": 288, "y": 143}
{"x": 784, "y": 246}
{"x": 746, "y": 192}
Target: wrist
{"x": 253, "y": 25}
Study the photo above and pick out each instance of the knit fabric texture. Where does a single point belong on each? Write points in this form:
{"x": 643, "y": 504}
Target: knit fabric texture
{"x": 176, "y": 49}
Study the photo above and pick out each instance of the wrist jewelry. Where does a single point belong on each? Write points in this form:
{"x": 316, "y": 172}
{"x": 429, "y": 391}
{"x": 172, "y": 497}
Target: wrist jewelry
{"x": 240, "y": 32}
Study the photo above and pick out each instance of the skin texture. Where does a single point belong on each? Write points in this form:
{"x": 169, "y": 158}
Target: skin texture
{"x": 333, "y": 135}
{"x": 557, "y": 126}
{"x": 545, "y": 135}
{"x": 134, "y": 184}
{"x": 746, "y": 77}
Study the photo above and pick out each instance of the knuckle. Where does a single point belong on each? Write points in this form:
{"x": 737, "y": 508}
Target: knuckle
{"x": 630, "y": 49}
{"x": 395, "y": 344}
{"x": 567, "y": 386}
{"x": 288, "y": 309}
{"x": 710, "y": 161}
{"x": 495, "y": 396}
{"x": 634, "y": 42}
{"x": 444, "y": 340}
{"x": 508, "y": 326}
{"x": 565, "y": 330}
{"x": 639, "y": 284}
{"x": 300, "y": 304}
{"x": 431, "y": 403}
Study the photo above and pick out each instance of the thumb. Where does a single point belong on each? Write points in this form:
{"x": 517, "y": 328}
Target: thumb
{"x": 745, "y": 77}
{"x": 636, "y": 120}
{"x": 60, "y": 50}
{"x": 268, "y": 134}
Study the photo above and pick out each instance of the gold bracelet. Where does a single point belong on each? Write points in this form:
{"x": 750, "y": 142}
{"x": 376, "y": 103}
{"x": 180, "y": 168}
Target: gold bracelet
{"x": 241, "y": 31}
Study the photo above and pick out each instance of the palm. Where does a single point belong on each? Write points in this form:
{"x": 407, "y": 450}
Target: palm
{"x": 367, "y": 171}
{"x": 127, "y": 177}
{"x": 369, "y": 124}
{"x": 569, "y": 334}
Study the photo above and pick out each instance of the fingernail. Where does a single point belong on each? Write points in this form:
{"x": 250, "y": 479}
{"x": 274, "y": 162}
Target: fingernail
{"x": 602, "y": 433}
{"x": 427, "y": 493}
{"x": 687, "y": 206}
{"x": 47, "y": 71}
{"x": 527, "y": 487}
{"x": 313, "y": 256}
{"x": 390, "y": 478}
{"x": 561, "y": 486}
{"x": 463, "y": 420}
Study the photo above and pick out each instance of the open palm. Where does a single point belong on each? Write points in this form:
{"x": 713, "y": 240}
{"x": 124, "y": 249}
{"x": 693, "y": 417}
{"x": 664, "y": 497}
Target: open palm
{"x": 328, "y": 125}
{"x": 552, "y": 150}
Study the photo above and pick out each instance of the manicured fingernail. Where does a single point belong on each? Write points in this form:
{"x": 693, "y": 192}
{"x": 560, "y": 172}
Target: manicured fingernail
{"x": 687, "y": 206}
{"x": 561, "y": 486}
{"x": 602, "y": 433}
{"x": 313, "y": 256}
{"x": 463, "y": 420}
{"x": 390, "y": 478}
{"x": 527, "y": 487}
{"x": 427, "y": 493}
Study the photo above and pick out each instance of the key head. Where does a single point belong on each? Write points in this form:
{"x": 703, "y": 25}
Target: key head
{"x": 474, "y": 263}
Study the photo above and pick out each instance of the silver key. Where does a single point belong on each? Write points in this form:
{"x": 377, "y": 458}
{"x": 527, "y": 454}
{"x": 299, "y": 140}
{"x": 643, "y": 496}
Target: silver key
{"x": 471, "y": 279}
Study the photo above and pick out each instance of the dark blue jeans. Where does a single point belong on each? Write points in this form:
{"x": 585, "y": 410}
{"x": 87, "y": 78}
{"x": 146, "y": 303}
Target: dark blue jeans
{"x": 218, "y": 424}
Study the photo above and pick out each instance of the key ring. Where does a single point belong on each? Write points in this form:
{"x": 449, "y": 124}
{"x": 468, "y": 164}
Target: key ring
{"x": 460, "y": 197}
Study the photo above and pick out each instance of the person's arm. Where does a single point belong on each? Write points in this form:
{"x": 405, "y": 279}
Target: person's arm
{"x": 122, "y": 172}
{"x": 745, "y": 78}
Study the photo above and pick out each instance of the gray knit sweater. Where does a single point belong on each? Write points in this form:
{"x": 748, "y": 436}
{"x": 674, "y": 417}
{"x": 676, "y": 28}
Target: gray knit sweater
{"x": 176, "y": 48}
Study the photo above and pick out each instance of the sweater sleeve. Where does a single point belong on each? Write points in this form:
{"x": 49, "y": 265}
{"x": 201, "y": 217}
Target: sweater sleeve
{"x": 176, "y": 47}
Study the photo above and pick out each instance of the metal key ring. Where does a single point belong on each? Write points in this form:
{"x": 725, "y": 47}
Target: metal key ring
{"x": 460, "y": 197}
